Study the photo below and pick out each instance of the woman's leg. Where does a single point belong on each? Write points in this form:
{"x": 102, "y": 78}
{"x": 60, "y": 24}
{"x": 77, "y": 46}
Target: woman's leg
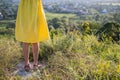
{"x": 26, "y": 52}
{"x": 35, "y": 49}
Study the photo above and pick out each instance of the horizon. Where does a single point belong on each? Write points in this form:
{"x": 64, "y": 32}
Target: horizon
{"x": 79, "y": 0}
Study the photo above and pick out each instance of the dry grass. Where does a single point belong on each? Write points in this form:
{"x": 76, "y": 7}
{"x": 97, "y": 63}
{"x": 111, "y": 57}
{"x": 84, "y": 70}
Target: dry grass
{"x": 10, "y": 54}
{"x": 67, "y": 57}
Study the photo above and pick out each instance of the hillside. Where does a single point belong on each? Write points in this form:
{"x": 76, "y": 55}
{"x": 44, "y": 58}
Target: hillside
{"x": 82, "y": 46}
{"x": 69, "y": 56}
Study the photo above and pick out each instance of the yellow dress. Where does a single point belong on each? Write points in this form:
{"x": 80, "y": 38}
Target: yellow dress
{"x": 31, "y": 25}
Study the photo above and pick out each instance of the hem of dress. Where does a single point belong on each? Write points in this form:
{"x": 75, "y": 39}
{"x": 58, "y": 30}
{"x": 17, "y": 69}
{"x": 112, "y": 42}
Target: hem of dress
{"x": 32, "y": 41}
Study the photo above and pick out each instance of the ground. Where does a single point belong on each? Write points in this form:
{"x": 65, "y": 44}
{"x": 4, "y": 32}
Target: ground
{"x": 25, "y": 75}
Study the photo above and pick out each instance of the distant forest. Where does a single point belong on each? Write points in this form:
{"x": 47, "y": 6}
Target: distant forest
{"x": 8, "y": 8}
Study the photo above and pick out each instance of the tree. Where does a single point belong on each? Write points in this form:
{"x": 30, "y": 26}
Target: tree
{"x": 117, "y": 17}
{"x": 110, "y": 30}
{"x": 86, "y": 28}
{"x": 7, "y": 8}
{"x": 55, "y": 22}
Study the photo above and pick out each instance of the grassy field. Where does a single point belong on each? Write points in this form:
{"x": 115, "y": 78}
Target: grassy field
{"x": 70, "y": 56}
{"x": 6, "y": 21}
{"x": 67, "y": 57}
{"x": 50, "y": 16}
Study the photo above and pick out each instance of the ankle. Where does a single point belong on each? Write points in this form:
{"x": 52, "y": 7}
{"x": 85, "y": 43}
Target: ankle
{"x": 35, "y": 63}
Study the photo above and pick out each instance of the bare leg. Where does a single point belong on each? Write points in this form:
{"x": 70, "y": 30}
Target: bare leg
{"x": 35, "y": 49}
{"x": 26, "y": 52}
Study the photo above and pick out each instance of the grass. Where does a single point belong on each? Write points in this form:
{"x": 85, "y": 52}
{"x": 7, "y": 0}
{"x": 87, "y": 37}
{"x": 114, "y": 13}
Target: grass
{"x": 70, "y": 56}
{"x": 10, "y": 54}
{"x": 6, "y": 21}
{"x": 67, "y": 57}
{"x": 50, "y": 16}
{"x": 82, "y": 58}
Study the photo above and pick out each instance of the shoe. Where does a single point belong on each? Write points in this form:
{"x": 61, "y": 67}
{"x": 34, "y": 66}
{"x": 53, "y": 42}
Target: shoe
{"x": 27, "y": 67}
{"x": 35, "y": 67}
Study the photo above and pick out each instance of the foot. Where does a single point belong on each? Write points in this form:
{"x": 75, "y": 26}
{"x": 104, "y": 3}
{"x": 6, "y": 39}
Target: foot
{"x": 27, "y": 67}
{"x": 35, "y": 67}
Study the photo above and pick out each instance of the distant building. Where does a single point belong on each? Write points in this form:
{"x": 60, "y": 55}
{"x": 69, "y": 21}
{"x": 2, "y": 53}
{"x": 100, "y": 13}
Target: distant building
{"x": 1, "y": 16}
{"x": 104, "y": 11}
